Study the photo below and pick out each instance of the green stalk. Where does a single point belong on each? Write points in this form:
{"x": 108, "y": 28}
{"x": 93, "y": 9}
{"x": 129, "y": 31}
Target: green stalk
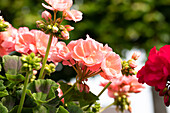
{"x": 67, "y": 91}
{"x": 106, "y": 107}
{"x": 23, "y": 93}
{"x": 45, "y": 58}
{"x": 99, "y": 94}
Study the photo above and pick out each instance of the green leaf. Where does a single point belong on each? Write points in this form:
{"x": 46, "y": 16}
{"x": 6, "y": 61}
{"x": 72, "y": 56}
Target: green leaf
{"x": 3, "y": 109}
{"x": 61, "y": 109}
{"x": 9, "y": 102}
{"x": 42, "y": 91}
{"x": 15, "y": 78}
{"x": 40, "y": 109}
{"x": 75, "y": 95}
{"x": 24, "y": 110}
{"x": 2, "y": 77}
{"x": 3, "y": 91}
{"x": 12, "y": 66}
{"x": 74, "y": 109}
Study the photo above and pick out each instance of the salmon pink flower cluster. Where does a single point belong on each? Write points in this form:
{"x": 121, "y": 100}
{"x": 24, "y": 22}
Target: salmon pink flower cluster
{"x": 120, "y": 89}
{"x": 90, "y": 58}
{"x": 156, "y": 71}
{"x": 24, "y": 41}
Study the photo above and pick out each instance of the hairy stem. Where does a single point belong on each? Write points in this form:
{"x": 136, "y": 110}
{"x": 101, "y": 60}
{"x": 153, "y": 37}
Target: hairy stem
{"x": 46, "y": 57}
{"x": 23, "y": 93}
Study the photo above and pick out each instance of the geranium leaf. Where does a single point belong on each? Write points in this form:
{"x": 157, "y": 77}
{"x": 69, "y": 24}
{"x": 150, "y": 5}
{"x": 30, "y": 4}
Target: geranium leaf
{"x": 74, "y": 109}
{"x": 24, "y": 110}
{"x": 3, "y": 109}
{"x": 61, "y": 109}
{"x": 3, "y": 91}
{"x": 8, "y": 102}
{"x": 42, "y": 91}
{"x": 15, "y": 78}
{"x": 75, "y": 95}
{"x": 40, "y": 109}
{"x": 12, "y": 66}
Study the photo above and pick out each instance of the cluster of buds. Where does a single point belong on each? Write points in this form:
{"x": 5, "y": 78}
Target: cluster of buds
{"x": 49, "y": 68}
{"x": 122, "y": 103}
{"x": 83, "y": 87}
{"x": 128, "y": 67}
{"x": 30, "y": 62}
{"x": 3, "y": 24}
{"x": 96, "y": 108}
{"x": 55, "y": 28}
{"x": 165, "y": 92}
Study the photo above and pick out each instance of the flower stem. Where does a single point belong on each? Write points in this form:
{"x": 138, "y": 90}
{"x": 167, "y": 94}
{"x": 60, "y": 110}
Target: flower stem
{"x": 46, "y": 57}
{"x": 23, "y": 93}
{"x": 67, "y": 91}
{"x": 99, "y": 94}
{"x": 106, "y": 107}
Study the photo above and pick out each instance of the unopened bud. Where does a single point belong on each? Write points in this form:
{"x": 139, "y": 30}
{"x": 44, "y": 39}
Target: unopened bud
{"x": 69, "y": 28}
{"x": 80, "y": 87}
{"x": 46, "y": 15}
{"x": 132, "y": 63}
{"x": 65, "y": 35}
{"x": 166, "y": 100}
{"x": 86, "y": 88}
{"x": 163, "y": 91}
{"x": 136, "y": 55}
{"x": 49, "y": 27}
{"x": 61, "y": 27}
{"x": 55, "y": 29}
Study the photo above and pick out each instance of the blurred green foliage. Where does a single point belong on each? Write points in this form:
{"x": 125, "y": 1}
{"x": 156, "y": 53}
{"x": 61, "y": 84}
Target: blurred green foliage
{"x": 119, "y": 23}
{"x": 126, "y": 23}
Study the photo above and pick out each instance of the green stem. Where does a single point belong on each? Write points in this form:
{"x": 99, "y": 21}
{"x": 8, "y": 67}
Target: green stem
{"x": 67, "y": 91}
{"x": 99, "y": 94}
{"x": 46, "y": 57}
{"x": 54, "y": 16}
{"x": 106, "y": 107}
{"x": 23, "y": 93}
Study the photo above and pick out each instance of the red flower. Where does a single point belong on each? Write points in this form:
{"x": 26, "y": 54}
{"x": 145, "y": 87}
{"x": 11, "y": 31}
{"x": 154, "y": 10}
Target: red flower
{"x": 156, "y": 69}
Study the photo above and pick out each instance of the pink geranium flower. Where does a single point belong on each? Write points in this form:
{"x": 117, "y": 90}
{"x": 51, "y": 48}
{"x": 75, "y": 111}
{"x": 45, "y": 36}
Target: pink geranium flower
{"x": 58, "y": 5}
{"x": 111, "y": 66}
{"x": 8, "y": 40}
{"x": 25, "y": 42}
{"x": 123, "y": 86}
{"x": 73, "y": 15}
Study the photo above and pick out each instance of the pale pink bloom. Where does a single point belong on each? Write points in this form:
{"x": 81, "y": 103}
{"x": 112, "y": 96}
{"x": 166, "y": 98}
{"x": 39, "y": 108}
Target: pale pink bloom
{"x": 111, "y": 66}
{"x": 123, "y": 86}
{"x": 69, "y": 28}
{"x": 9, "y": 38}
{"x": 46, "y": 15}
{"x": 25, "y": 43}
{"x": 136, "y": 55}
{"x": 87, "y": 52}
{"x": 60, "y": 93}
{"x": 2, "y": 50}
{"x": 23, "y": 29}
{"x": 60, "y": 53}
{"x": 58, "y": 5}
{"x": 41, "y": 40}
{"x": 73, "y": 15}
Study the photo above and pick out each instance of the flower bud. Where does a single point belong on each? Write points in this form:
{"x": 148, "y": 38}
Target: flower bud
{"x": 80, "y": 87}
{"x": 69, "y": 28}
{"x": 46, "y": 15}
{"x": 162, "y": 92}
{"x": 166, "y": 100}
{"x": 136, "y": 55}
{"x": 65, "y": 34}
{"x": 61, "y": 27}
{"x": 55, "y": 29}
{"x": 86, "y": 88}
{"x": 132, "y": 63}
